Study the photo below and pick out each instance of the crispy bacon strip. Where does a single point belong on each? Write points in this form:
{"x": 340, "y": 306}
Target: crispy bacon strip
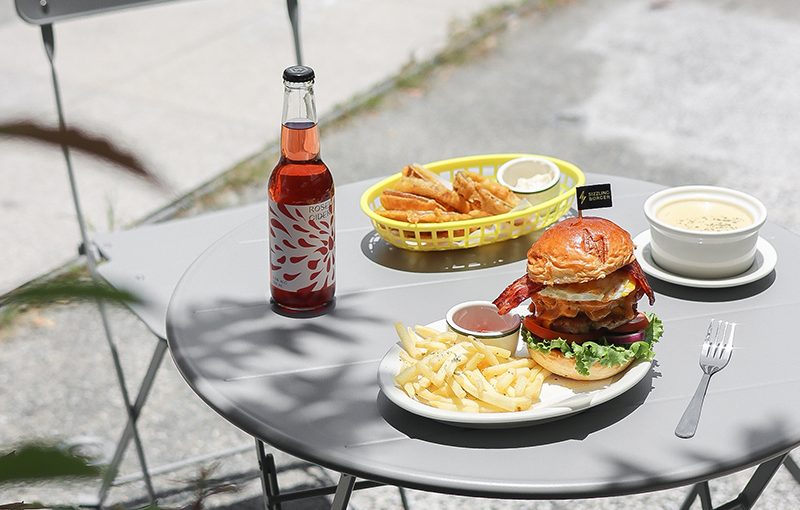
{"x": 522, "y": 288}
{"x": 635, "y": 270}
{"x": 516, "y": 293}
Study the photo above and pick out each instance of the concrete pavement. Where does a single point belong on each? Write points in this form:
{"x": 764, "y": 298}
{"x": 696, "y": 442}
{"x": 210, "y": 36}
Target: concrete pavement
{"x": 675, "y": 92}
{"x": 192, "y": 87}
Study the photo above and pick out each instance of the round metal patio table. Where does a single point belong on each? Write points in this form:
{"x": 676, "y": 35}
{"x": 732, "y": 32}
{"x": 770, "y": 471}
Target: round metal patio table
{"x": 309, "y": 386}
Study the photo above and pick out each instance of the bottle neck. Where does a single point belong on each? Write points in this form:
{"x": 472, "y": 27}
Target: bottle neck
{"x": 299, "y": 134}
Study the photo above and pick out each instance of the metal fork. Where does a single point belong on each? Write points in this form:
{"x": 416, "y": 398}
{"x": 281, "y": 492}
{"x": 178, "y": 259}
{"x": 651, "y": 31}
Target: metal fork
{"x": 714, "y": 356}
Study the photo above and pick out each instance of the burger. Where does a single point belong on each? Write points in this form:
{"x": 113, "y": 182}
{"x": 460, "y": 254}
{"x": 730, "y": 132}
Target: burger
{"x": 584, "y": 285}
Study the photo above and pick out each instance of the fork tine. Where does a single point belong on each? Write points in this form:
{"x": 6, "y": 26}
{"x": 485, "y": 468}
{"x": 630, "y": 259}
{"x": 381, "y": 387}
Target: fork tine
{"x": 707, "y": 341}
{"x": 716, "y": 340}
{"x": 723, "y": 339}
{"x": 729, "y": 343}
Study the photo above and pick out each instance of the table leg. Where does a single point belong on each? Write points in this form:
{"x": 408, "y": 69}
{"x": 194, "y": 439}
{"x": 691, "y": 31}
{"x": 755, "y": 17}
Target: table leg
{"x": 343, "y": 492}
{"x": 793, "y": 468}
{"x": 269, "y": 477}
{"x": 749, "y": 495}
{"x": 688, "y": 501}
{"x": 705, "y": 496}
{"x": 758, "y": 482}
{"x": 403, "y": 498}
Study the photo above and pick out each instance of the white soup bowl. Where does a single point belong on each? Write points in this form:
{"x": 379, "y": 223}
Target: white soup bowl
{"x": 704, "y": 253}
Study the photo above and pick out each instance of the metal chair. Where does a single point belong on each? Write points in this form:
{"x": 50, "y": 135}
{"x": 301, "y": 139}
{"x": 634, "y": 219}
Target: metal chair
{"x": 45, "y": 14}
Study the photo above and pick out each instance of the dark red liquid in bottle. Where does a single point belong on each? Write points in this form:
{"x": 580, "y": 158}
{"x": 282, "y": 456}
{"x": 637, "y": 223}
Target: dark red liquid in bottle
{"x": 301, "y": 224}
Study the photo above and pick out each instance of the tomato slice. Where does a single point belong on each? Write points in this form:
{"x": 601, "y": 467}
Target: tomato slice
{"x": 638, "y": 323}
{"x": 548, "y": 334}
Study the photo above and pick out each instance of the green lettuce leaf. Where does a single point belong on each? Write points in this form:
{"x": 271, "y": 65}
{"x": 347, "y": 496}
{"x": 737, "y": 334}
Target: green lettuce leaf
{"x": 654, "y": 330}
{"x": 601, "y": 351}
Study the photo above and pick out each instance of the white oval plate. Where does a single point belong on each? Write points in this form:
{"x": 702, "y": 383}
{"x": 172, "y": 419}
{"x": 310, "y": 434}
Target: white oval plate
{"x": 766, "y": 258}
{"x": 560, "y": 397}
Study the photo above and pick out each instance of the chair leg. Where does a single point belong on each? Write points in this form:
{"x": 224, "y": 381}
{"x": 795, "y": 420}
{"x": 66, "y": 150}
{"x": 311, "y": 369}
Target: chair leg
{"x": 48, "y": 39}
{"x": 130, "y": 426}
{"x": 291, "y": 6}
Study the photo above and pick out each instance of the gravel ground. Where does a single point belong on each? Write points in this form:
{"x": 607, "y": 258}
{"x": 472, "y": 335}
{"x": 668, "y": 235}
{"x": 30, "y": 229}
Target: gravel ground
{"x": 673, "y": 92}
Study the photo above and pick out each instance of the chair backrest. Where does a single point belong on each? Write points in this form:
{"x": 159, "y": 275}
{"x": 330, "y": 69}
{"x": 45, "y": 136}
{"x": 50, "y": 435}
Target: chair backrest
{"x": 42, "y": 12}
{"x": 47, "y": 12}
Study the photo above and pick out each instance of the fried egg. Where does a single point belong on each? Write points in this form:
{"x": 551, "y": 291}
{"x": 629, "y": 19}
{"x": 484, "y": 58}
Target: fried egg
{"x": 615, "y": 286}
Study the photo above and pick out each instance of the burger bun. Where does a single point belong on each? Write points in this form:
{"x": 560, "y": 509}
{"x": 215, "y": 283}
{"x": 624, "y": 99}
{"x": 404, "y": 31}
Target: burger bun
{"x": 557, "y": 363}
{"x": 579, "y": 250}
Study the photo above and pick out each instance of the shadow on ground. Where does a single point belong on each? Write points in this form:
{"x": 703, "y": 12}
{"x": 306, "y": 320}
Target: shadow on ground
{"x": 257, "y": 503}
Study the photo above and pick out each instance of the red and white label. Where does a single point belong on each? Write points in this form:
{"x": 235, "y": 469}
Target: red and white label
{"x": 301, "y": 251}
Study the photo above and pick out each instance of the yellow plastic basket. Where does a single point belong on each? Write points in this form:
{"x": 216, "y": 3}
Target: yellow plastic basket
{"x": 476, "y": 232}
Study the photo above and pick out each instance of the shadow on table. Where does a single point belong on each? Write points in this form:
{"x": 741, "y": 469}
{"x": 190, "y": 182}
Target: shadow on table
{"x": 712, "y": 295}
{"x": 237, "y": 349}
{"x": 761, "y": 443}
{"x": 249, "y": 329}
{"x": 555, "y": 431}
{"x": 497, "y": 254}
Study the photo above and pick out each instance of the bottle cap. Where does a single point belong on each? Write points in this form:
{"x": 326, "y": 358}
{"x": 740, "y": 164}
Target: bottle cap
{"x": 298, "y": 74}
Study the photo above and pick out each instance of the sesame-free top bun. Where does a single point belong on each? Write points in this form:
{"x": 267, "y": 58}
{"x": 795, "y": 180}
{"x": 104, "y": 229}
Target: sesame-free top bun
{"x": 556, "y": 362}
{"x": 579, "y": 250}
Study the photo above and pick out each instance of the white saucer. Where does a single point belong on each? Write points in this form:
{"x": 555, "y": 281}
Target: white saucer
{"x": 765, "y": 261}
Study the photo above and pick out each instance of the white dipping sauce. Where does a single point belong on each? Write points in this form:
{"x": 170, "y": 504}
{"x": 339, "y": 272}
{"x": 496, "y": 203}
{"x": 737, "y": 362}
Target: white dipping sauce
{"x": 533, "y": 183}
{"x": 529, "y": 175}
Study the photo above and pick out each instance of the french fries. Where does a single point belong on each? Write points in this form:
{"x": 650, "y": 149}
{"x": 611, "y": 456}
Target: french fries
{"x": 419, "y": 196}
{"x": 447, "y": 373}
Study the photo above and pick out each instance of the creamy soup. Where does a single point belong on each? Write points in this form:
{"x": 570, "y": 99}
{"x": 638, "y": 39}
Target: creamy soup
{"x": 705, "y": 215}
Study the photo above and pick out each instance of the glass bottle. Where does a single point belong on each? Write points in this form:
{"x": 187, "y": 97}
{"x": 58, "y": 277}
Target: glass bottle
{"x": 301, "y": 209}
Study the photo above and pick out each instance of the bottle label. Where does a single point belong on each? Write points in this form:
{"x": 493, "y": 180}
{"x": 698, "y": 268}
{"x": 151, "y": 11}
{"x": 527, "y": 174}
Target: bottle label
{"x": 301, "y": 251}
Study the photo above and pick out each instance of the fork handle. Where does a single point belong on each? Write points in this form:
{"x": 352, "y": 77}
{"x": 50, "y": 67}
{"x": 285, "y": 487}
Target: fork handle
{"x": 688, "y": 424}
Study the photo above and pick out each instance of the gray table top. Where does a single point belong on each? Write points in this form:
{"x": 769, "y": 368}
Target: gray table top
{"x": 309, "y": 386}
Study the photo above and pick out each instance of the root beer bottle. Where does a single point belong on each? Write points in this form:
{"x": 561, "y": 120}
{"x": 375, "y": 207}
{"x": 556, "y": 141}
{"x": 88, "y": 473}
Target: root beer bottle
{"x": 301, "y": 211}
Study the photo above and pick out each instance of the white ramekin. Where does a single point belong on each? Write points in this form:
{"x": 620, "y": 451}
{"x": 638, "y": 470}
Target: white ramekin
{"x": 702, "y": 254}
{"x": 528, "y": 166}
{"x": 505, "y": 336}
